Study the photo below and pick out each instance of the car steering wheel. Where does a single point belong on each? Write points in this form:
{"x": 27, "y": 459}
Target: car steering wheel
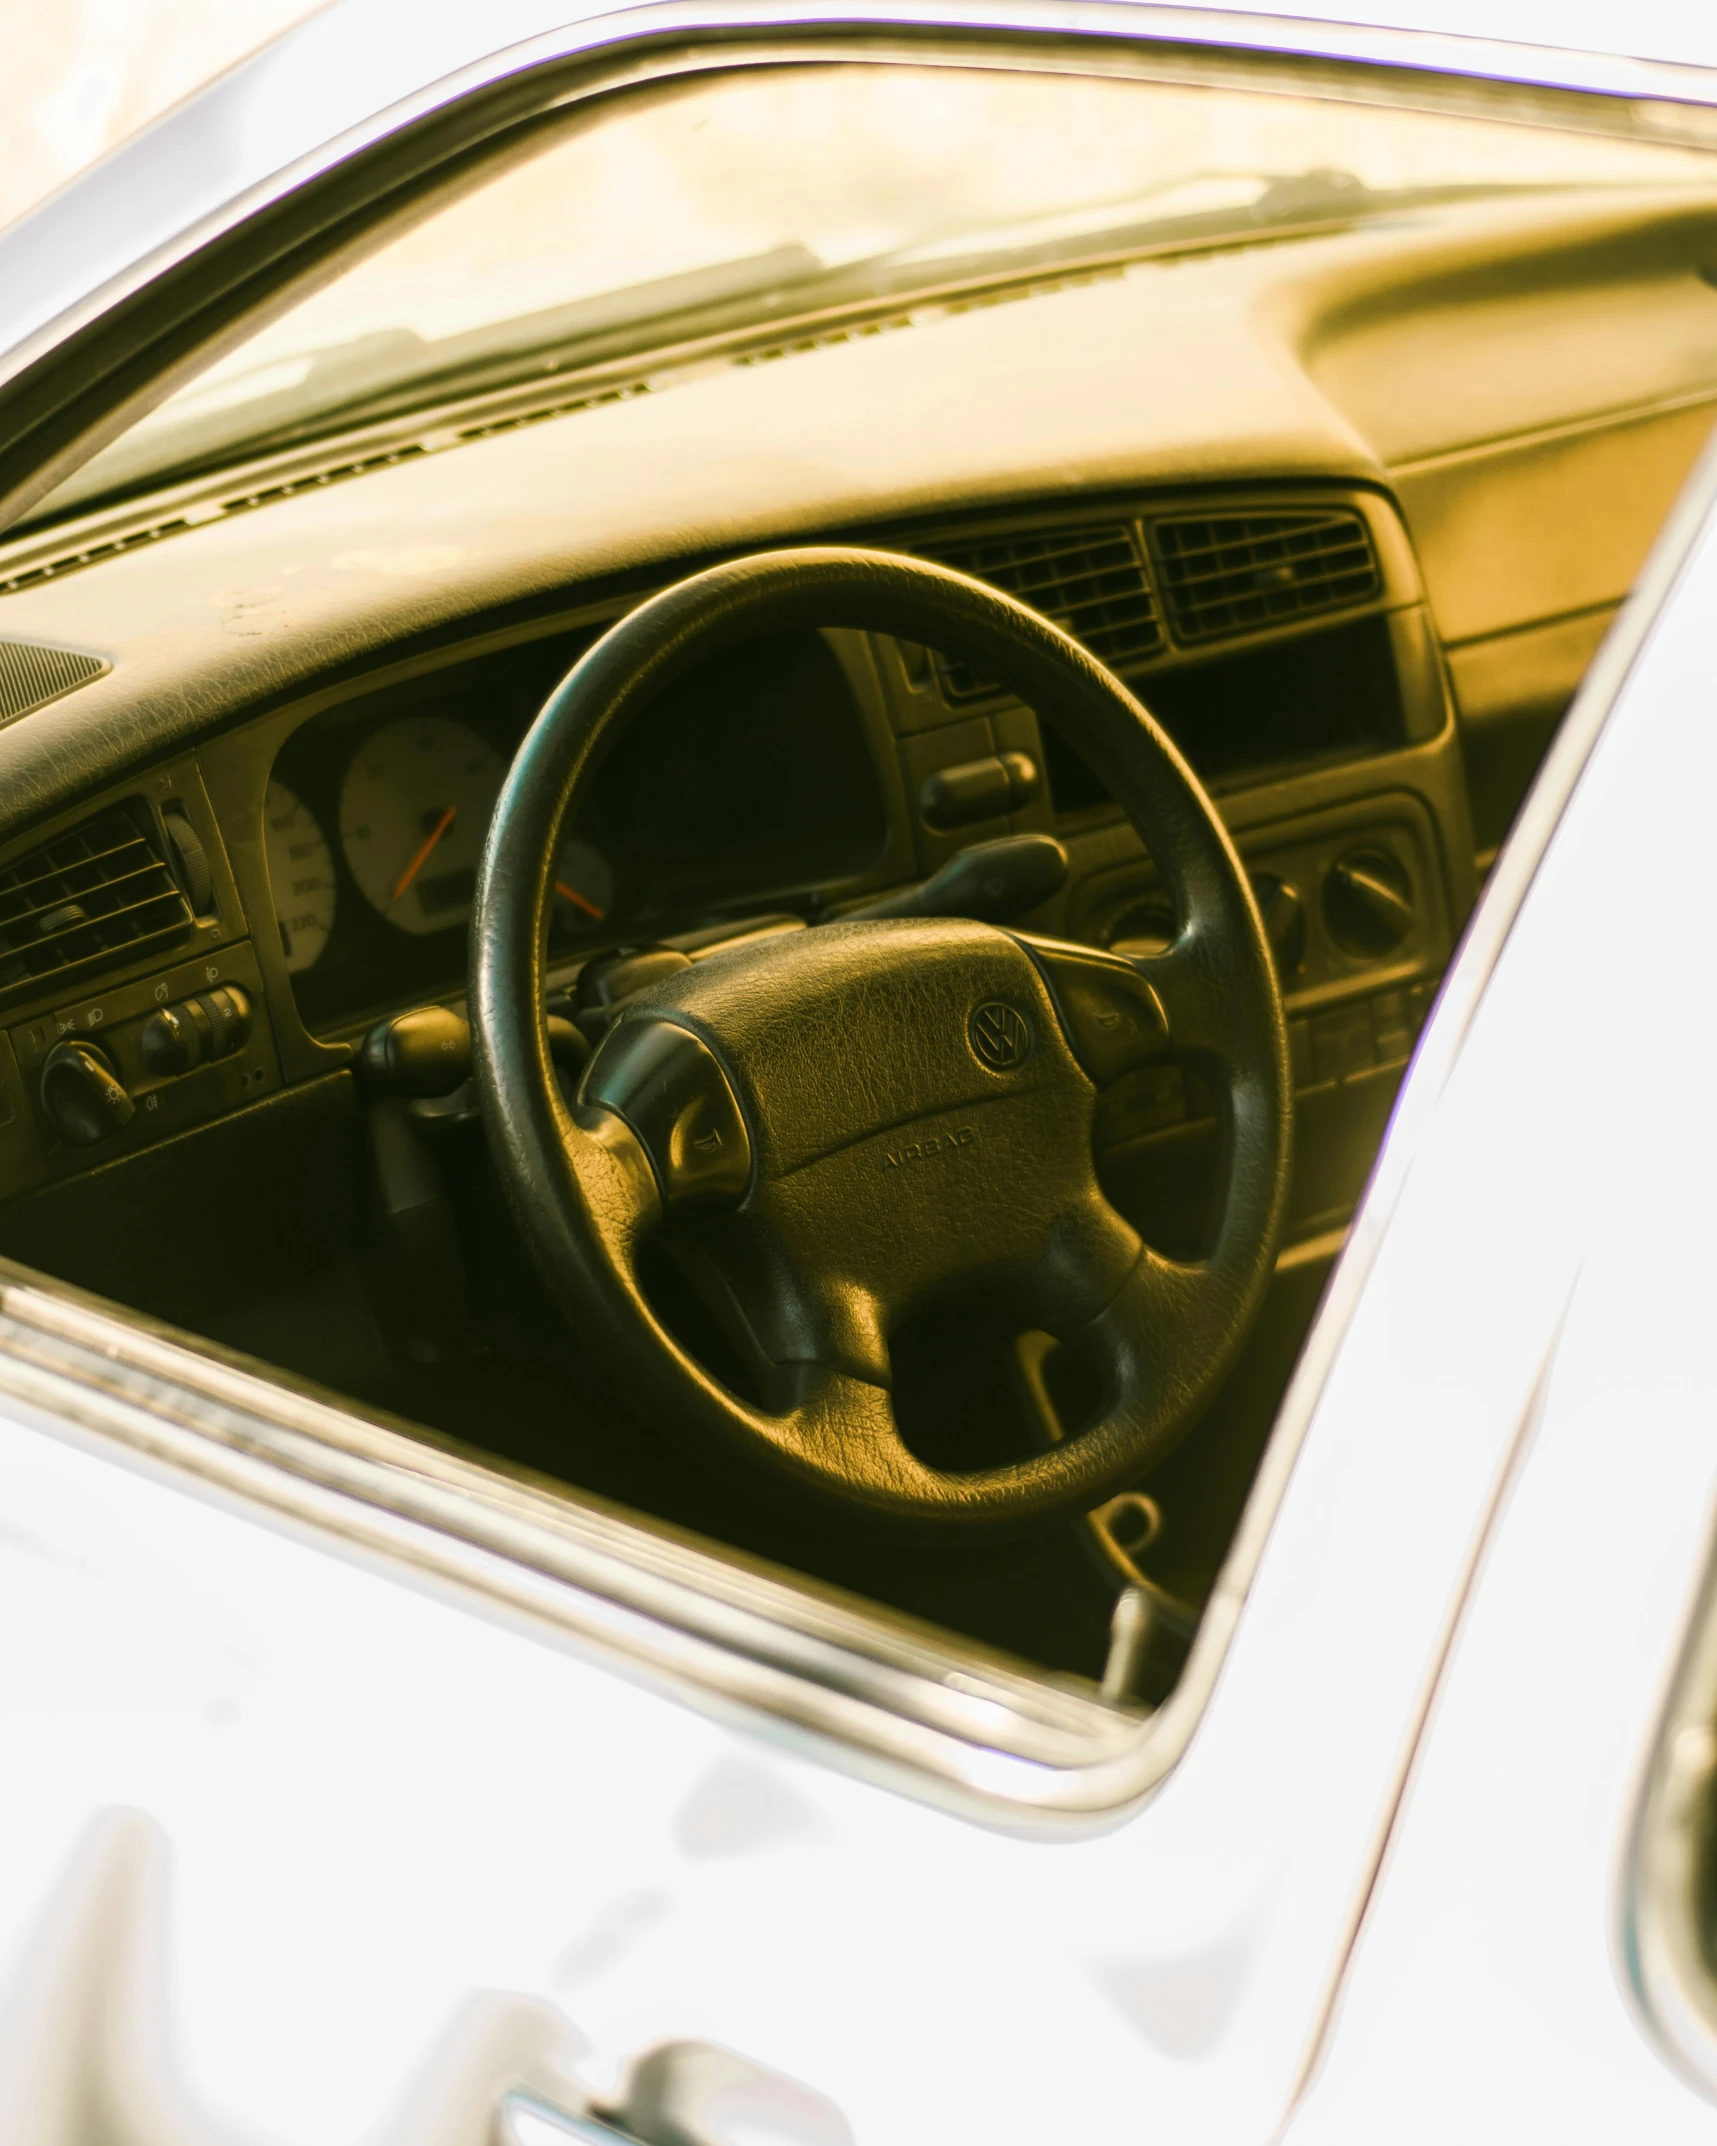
{"x": 856, "y": 1121}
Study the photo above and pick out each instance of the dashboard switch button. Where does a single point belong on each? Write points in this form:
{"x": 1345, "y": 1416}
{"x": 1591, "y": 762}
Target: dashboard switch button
{"x": 670, "y": 1089}
{"x": 177, "y": 1039}
{"x": 1342, "y": 1042}
{"x": 1109, "y": 1014}
{"x": 227, "y": 1011}
{"x": 83, "y": 1098}
{"x": 171, "y": 1041}
{"x": 194, "y": 868}
{"x": 979, "y": 789}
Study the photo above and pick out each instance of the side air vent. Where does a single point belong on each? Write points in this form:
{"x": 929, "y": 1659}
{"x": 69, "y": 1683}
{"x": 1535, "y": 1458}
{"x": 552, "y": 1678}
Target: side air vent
{"x": 1090, "y": 581}
{"x": 30, "y": 677}
{"x": 100, "y": 889}
{"x": 1235, "y": 573}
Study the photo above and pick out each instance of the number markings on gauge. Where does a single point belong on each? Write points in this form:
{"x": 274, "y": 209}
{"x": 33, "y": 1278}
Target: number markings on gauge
{"x": 414, "y": 810}
{"x": 301, "y": 873}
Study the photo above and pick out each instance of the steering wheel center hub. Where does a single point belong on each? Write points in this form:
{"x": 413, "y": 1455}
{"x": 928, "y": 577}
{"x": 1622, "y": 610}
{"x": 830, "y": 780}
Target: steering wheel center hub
{"x": 849, "y": 1031}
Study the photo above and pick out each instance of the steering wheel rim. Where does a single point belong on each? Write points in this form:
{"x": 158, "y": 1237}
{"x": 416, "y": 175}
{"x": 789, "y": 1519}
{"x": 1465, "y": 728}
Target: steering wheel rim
{"x": 697, "y": 1059}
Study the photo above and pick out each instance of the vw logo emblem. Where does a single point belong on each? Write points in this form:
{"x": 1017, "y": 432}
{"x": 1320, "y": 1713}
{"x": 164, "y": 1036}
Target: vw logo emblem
{"x": 1001, "y": 1035}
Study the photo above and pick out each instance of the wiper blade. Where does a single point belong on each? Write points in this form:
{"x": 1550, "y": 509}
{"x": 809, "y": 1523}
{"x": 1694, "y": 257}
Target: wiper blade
{"x": 637, "y": 305}
{"x": 1322, "y": 191}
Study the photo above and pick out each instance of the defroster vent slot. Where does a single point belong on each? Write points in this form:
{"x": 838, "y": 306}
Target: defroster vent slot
{"x": 100, "y": 890}
{"x": 31, "y": 676}
{"x": 1225, "y": 574}
{"x": 1091, "y": 582}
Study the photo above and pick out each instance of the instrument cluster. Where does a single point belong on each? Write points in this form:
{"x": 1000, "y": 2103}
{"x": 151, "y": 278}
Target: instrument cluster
{"x": 752, "y": 777}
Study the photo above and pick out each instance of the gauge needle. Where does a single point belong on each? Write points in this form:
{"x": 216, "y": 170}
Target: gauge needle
{"x": 423, "y": 856}
{"x": 579, "y": 901}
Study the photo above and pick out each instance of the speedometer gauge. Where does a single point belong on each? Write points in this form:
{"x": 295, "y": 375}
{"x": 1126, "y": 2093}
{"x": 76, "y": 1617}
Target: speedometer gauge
{"x": 583, "y": 885}
{"x": 414, "y": 811}
{"x": 301, "y": 873}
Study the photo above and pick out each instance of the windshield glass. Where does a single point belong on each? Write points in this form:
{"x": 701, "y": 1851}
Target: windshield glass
{"x": 752, "y": 199}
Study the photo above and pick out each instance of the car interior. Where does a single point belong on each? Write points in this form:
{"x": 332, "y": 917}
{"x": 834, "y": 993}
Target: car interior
{"x": 635, "y": 660}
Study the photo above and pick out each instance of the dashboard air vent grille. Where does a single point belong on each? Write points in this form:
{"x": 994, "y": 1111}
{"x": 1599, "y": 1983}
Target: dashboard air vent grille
{"x": 1234, "y": 573}
{"x": 100, "y": 888}
{"x": 30, "y": 677}
{"x": 1091, "y": 582}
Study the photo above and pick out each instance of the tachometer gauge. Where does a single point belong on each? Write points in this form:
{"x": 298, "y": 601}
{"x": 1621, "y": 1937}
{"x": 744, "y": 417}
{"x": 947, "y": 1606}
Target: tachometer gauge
{"x": 414, "y": 811}
{"x": 301, "y": 872}
{"x": 583, "y": 885}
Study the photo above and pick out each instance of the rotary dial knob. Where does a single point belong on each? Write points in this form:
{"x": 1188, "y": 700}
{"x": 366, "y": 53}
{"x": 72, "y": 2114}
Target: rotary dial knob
{"x": 1284, "y": 916}
{"x": 83, "y": 1098}
{"x": 1368, "y": 902}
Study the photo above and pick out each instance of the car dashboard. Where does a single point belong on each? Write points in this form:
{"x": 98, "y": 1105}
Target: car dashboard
{"x": 325, "y": 857}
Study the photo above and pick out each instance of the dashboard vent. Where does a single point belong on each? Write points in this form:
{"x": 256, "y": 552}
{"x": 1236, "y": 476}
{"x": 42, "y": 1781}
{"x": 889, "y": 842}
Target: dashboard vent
{"x": 1091, "y": 582}
{"x": 1234, "y": 573}
{"x": 30, "y": 676}
{"x": 100, "y": 888}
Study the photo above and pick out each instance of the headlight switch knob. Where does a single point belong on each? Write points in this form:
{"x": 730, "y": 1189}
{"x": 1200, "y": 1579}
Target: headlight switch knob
{"x": 83, "y": 1098}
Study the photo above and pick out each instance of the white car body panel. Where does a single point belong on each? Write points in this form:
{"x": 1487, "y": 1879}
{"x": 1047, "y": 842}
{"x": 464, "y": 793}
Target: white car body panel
{"x": 300, "y": 1847}
{"x": 1494, "y": 1969}
{"x": 466, "y": 1810}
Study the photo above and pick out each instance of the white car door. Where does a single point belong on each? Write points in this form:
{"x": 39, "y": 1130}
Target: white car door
{"x": 323, "y": 1821}
{"x": 1512, "y": 1964}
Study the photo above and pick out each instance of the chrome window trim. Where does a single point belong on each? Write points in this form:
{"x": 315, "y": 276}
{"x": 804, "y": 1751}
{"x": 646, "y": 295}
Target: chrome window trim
{"x": 716, "y": 1628}
{"x": 1671, "y": 1855}
{"x": 917, "y": 1710}
{"x": 1669, "y": 1968}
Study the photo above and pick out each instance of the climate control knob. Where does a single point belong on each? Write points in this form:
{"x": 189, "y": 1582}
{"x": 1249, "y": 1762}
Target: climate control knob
{"x": 1368, "y": 902}
{"x": 83, "y": 1098}
{"x": 1284, "y": 916}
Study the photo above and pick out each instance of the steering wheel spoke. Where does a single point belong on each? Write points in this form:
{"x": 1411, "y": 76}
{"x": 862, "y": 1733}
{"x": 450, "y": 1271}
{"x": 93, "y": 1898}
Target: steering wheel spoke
{"x": 829, "y": 1417}
{"x": 669, "y": 1088}
{"x": 610, "y": 1174}
{"x": 1110, "y": 1013}
{"x": 1196, "y": 990}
